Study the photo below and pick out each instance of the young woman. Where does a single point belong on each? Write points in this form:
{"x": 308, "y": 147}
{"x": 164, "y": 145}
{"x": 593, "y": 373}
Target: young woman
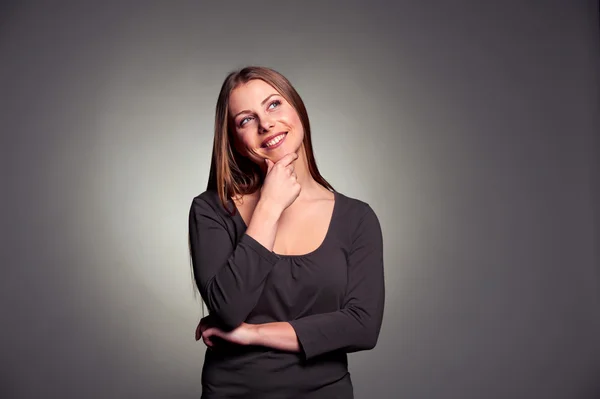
{"x": 290, "y": 270}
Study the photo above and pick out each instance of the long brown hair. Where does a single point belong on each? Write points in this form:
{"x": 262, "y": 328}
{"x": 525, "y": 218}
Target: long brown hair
{"x": 232, "y": 174}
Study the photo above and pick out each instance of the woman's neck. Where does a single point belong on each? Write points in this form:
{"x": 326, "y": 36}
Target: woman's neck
{"x": 310, "y": 187}
{"x": 301, "y": 168}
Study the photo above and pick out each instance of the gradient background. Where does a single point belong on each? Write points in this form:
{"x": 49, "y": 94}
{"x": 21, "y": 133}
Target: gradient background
{"x": 471, "y": 127}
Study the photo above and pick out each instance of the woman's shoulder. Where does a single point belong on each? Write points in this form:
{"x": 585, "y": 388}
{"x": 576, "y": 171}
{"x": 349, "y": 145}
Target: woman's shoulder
{"x": 352, "y": 205}
{"x": 355, "y": 219}
{"x": 210, "y": 196}
{"x": 208, "y": 201}
{"x": 353, "y": 211}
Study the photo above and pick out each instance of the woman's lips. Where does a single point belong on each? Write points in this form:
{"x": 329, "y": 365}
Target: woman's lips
{"x": 282, "y": 135}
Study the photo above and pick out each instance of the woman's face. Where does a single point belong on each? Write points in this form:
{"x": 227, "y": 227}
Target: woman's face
{"x": 264, "y": 123}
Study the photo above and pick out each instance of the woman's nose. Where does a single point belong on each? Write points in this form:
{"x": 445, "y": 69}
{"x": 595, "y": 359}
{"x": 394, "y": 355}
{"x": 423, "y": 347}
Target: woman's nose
{"x": 266, "y": 125}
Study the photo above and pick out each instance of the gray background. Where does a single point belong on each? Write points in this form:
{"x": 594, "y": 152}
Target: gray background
{"x": 471, "y": 127}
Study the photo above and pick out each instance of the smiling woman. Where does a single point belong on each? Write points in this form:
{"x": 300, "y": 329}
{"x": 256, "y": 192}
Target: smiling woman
{"x": 290, "y": 270}
{"x": 264, "y": 116}
{"x": 237, "y": 169}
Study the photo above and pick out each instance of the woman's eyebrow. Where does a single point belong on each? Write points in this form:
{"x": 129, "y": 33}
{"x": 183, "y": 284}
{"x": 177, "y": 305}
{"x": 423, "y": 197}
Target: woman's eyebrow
{"x": 262, "y": 103}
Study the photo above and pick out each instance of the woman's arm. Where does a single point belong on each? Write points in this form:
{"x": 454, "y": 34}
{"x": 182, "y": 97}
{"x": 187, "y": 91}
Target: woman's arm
{"x": 276, "y": 335}
{"x": 263, "y": 224}
{"x": 356, "y": 326}
{"x": 353, "y": 328}
{"x": 230, "y": 279}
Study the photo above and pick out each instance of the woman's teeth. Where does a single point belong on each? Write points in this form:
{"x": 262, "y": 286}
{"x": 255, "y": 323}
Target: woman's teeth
{"x": 274, "y": 141}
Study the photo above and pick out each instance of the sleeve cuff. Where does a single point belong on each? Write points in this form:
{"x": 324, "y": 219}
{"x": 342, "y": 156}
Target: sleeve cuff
{"x": 307, "y": 343}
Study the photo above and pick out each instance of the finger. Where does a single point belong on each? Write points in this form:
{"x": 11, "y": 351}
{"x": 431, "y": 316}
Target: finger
{"x": 269, "y": 164}
{"x": 198, "y": 332}
{"x": 208, "y": 342}
{"x": 209, "y": 332}
{"x": 203, "y": 326}
{"x": 206, "y": 336}
{"x": 288, "y": 159}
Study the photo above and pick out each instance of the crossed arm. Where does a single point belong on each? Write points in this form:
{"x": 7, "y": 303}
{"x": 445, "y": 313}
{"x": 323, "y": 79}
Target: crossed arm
{"x": 231, "y": 280}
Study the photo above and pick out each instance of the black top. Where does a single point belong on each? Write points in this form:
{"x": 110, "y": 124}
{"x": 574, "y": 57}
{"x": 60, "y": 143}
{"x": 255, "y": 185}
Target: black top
{"x": 333, "y": 297}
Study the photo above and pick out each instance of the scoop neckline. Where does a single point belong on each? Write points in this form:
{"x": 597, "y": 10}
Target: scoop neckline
{"x": 325, "y": 239}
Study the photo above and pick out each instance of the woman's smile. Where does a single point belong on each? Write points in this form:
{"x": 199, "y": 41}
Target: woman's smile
{"x": 273, "y": 142}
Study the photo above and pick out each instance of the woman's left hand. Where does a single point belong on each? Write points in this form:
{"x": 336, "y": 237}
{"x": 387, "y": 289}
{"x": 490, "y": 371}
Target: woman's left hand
{"x": 242, "y": 335}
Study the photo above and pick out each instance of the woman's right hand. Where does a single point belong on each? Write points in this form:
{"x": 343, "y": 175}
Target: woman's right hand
{"x": 280, "y": 188}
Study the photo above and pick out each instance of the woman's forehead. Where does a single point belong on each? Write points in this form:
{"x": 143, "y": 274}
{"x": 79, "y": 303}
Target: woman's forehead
{"x": 251, "y": 93}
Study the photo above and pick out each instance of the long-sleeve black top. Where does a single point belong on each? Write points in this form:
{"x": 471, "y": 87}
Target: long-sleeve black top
{"x": 333, "y": 297}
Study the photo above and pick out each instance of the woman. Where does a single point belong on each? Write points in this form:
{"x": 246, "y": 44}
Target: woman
{"x": 290, "y": 270}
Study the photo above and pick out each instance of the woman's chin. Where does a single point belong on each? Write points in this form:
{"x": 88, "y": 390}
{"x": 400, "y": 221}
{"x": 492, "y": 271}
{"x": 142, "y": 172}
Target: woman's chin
{"x": 275, "y": 154}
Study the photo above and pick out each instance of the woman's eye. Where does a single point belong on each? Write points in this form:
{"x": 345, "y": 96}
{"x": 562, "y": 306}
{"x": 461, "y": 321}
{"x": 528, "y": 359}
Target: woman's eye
{"x": 243, "y": 121}
{"x": 272, "y": 105}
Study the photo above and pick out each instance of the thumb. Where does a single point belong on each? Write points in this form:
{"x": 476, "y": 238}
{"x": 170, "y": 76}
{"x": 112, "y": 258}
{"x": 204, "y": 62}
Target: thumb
{"x": 269, "y": 164}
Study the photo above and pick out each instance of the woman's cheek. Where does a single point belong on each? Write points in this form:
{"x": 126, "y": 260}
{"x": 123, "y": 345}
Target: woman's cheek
{"x": 254, "y": 156}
